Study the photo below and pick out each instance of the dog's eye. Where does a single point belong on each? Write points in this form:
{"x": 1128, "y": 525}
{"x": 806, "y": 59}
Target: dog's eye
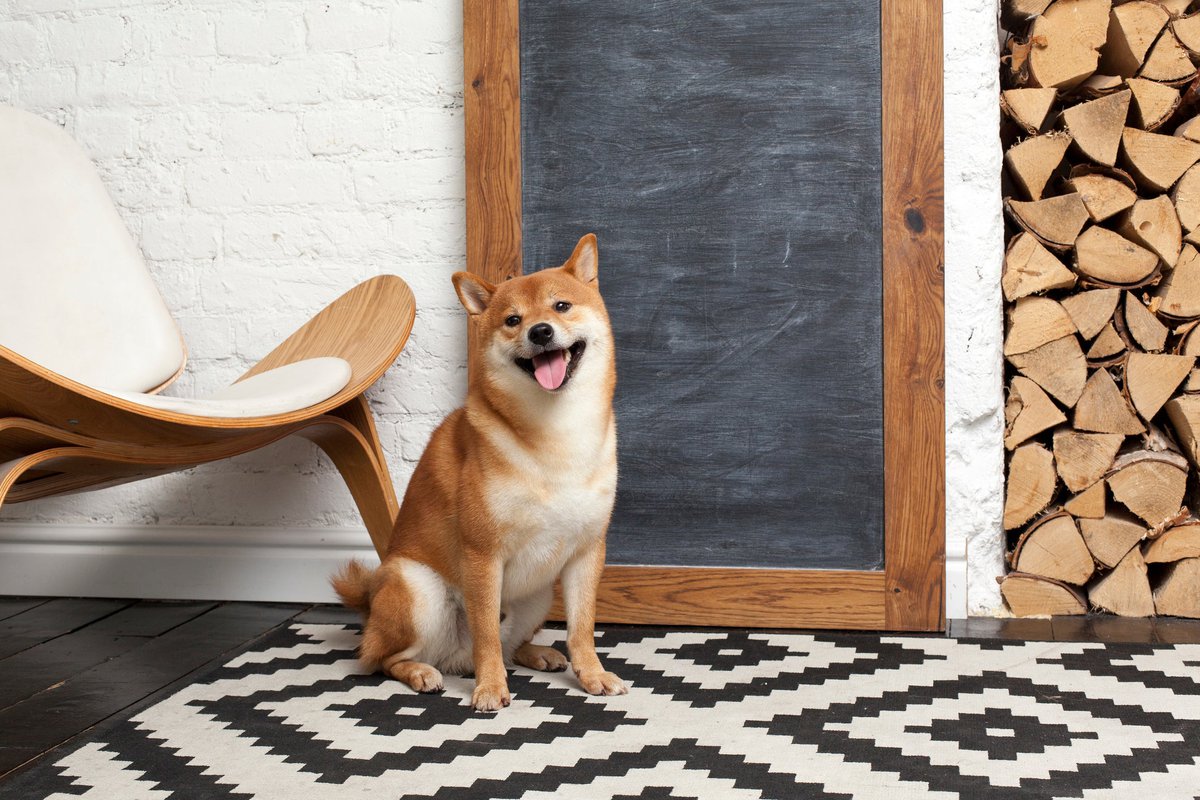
{"x": 561, "y": 306}
{"x": 513, "y": 321}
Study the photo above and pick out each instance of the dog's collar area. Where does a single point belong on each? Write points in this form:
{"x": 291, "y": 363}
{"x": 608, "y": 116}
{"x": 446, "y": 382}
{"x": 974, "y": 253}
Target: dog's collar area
{"x": 574, "y": 354}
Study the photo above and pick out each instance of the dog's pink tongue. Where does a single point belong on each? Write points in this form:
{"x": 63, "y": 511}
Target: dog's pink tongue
{"x": 550, "y": 368}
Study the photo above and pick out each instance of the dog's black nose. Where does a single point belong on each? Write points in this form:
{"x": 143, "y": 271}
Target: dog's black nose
{"x": 541, "y": 334}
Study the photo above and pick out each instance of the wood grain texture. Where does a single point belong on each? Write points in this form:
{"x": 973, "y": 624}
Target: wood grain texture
{"x": 913, "y": 347}
{"x": 49, "y": 662}
{"x": 367, "y": 326}
{"x": 50, "y": 620}
{"x": 492, "y": 108}
{"x": 743, "y": 598}
{"x": 50, "y": 717}
{"x": 90, "y": 464}
{"x": 59, "y": 436}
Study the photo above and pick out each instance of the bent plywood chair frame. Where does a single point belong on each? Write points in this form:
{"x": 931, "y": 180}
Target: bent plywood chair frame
{"x": 58, "y": 436}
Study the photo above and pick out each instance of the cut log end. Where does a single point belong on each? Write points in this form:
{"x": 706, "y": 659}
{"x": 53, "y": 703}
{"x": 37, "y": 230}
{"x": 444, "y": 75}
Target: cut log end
{"x": 1031, "y": 483}
{"x": 1126, "y": 590}
{"x": 1031, "y": 596}
{"x": 1058, "y": 367}
{"x": 1055, "y": 221}
{"x": 1029, "y": 268}
{"x": 1178, "y": 595}
{"x": 1053, "y": 548}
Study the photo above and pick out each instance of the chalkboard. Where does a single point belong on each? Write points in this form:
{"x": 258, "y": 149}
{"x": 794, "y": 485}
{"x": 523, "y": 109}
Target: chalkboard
{"x": 727, "y": 153}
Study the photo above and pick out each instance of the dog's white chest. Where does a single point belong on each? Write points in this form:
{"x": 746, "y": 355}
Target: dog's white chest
{"x": 546, "y": 522}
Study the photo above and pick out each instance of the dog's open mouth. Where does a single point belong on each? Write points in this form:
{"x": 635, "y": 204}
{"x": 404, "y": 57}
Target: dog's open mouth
{"x": 553, "y": 368}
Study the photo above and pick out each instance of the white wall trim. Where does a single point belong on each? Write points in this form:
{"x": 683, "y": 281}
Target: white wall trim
{"x": 208, "y": 562}
{"x": 956, "y": 579}
{"x": 172, "y": 562}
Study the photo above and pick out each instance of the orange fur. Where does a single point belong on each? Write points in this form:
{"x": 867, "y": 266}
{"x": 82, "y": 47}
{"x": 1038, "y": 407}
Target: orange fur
{"x": 353, "y": 586}
{"x": 513, "y": 491}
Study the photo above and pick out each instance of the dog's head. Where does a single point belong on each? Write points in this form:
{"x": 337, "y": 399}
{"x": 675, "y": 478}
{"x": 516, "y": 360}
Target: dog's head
{"x": 545, "y": 331}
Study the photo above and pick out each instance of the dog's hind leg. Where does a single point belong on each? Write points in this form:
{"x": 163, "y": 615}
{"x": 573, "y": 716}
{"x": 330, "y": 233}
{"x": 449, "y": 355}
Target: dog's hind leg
{"x": 419, "y": 676}
{"x": 391, "y": 639}
{"x": 528, "y": 615}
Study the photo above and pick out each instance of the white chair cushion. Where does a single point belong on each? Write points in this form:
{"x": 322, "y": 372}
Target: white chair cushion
{"x": 75, "y": 295}
{"x": 288, "y": 388}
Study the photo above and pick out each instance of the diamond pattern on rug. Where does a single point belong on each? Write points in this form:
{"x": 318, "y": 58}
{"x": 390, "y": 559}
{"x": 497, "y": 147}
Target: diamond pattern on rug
{"x": 724, "y": 715}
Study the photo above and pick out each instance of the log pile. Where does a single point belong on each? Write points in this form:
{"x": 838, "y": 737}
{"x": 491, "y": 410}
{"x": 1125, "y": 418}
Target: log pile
{"x": 1101, "y": 110}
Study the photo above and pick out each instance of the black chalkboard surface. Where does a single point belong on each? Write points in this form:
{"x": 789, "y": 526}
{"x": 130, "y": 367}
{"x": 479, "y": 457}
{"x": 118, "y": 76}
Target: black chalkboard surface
{"x": 727, "y": 154}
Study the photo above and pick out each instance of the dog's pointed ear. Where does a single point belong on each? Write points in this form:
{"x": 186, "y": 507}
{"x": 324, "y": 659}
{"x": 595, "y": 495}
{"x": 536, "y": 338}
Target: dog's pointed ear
{"x": 473, "y": 292}
{"x": 584, "y": 263}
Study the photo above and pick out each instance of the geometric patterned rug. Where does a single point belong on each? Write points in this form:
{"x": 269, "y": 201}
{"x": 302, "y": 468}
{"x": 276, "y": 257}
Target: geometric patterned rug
{"x": 710, "y": 714}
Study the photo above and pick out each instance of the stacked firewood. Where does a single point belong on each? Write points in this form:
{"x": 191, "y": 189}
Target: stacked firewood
{"x": 1102, "y": 286}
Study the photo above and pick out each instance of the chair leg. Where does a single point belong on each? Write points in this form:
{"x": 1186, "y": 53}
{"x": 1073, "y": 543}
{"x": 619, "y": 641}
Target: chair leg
{"x": 366, "y": 477}
{"x": 11, "y": 471}
{"x": 358, "y": 413}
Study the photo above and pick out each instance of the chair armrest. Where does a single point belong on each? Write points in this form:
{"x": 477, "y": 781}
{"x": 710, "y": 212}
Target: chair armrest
{"x": 367, "y": 326}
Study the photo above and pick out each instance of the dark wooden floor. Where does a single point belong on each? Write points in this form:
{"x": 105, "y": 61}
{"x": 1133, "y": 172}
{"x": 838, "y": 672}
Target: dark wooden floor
{"x": 67, "y": 664}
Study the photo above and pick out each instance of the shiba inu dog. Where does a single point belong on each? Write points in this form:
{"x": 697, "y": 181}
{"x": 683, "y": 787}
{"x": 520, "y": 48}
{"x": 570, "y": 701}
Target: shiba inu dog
{"x": 513, "y": 491}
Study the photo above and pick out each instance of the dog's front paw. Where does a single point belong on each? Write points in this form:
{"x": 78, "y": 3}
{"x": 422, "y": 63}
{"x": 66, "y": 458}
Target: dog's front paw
{"x": 602, "y": 683}
{"x": 490, "y": 697}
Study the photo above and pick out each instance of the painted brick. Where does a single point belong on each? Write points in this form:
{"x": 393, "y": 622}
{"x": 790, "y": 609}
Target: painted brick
{"x": 259, "y": 33}
{"x": 20, "y": 42}
{"x": 141, "y": 184}
{"x": 264, "y": 236}
{"x": 208, "y": 339}
{"x": 233, "y": 184}
{"x": 422, "y": 179}
{"x": 260, "y": 134}
{"x": 23, "y": 7}
{"x": 85, "y": 39}
{"x": 428, "y": 26}
{"x": 431, "y": 130}
{"x": 974, "y": 257}
{"x": 365, "y": 130}
{"x": 178, "y": 134}
{"x": 346, "y": 26}
{"x": 173, "y": 32}
{"x": 47, "y": 87}
{"x": 409, "y": 78}
{"x": 105, "y": 134}
{"x": 131, "y": 83}
{"x": 307, "y": 80}
{"x": 170, "y": 236}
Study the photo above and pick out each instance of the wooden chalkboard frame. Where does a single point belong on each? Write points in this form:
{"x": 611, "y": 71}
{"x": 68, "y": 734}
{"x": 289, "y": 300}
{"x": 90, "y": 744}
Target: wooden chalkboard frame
{"x": 908, "y": 594}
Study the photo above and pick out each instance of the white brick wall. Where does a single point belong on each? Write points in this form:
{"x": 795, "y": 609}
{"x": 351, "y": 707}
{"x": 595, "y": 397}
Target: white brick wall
{"x": 267, "y": 156}
{"x": 974, "y": 327}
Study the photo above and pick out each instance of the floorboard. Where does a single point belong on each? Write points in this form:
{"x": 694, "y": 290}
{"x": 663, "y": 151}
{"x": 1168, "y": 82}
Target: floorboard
{"x": 329, "y": 615}
{"x": 53, "y": 716}
{"x": 11, "y": 606}
{"x": 39, "y": 667}
{"x": 52, "y": 619}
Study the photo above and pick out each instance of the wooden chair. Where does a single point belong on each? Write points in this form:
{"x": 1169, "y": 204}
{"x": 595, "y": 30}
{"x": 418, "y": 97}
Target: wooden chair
{"x": 87, "y": 344}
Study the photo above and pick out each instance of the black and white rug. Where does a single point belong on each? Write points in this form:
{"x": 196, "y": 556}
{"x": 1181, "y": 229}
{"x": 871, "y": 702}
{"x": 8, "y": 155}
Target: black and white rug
{"x": 724, "y": 715}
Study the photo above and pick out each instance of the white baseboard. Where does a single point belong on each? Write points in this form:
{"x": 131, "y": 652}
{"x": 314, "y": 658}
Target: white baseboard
{"x": 956, "y": 579}
{"x": 289, "y": 565}
{"x": 283, "y": 565}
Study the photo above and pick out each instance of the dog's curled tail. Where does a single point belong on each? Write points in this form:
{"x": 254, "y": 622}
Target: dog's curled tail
{"x": 353, "y": 585}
